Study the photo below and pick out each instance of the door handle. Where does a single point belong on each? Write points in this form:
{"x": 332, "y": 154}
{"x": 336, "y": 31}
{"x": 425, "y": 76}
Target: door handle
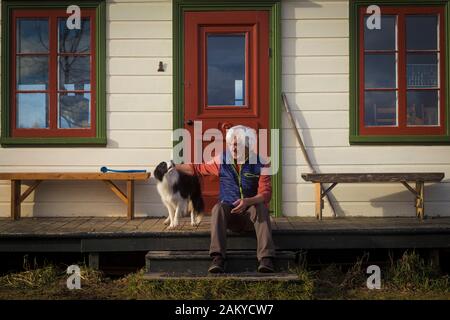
{"x": 189, "y": 122}
{"x": 225, "y": 126}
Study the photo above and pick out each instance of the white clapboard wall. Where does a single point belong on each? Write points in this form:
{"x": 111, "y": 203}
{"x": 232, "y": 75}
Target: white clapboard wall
{"x": 315, "y": 78}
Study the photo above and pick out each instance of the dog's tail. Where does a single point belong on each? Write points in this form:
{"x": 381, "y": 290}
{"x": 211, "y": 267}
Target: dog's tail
{"x": 198, "y": 205}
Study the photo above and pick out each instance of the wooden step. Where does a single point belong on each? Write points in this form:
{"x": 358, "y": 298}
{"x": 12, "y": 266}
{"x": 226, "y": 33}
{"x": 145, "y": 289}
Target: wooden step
{"x": 243, "y": 276}
{"x": 197, "y": 262}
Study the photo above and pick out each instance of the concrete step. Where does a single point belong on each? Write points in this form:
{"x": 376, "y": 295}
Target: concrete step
{"x": 197, "y": 262}
{"x": 243, "y": 276}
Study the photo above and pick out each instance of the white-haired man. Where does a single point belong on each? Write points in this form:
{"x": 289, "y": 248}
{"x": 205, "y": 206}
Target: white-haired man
{"x": 245, "y": 192}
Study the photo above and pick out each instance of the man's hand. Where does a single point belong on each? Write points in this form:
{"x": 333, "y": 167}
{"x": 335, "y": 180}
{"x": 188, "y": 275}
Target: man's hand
{"x": 240, "y": 205}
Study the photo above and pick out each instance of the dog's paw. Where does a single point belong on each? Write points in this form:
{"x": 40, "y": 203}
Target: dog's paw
{"x": 195, "y": 224}
{"x": 198, "y": 219}
{"x": 173, "y": 225}
{"x": 167, "y": 221}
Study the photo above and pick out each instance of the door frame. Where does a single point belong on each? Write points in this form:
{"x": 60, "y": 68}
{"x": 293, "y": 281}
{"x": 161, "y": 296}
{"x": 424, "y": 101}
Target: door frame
{"x": 274, "y": 9}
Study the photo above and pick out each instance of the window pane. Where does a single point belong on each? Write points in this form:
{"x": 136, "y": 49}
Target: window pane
{"x": 74, "y": 110}
{"x": 74, "y": 73}
{"x": 380, "y": 39}
{"x": 423, "y": 107}
{"x": 380, "y": 108}
{"x": 32, "y": 73}
{"x": 421, "y": 32}
{"x": 422, "y": 70}
{"x": 380, "y": 71}
{"x": 74, "y": 40}
{"x": 32, "y": 35}
{"x": 32, "y": 110}
{"x": 226, "y": 70}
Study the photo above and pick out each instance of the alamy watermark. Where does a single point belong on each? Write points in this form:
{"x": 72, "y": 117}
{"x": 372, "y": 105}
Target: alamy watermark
{"x": 374, "y": 280}
{"x": 374, "y": 20}
{"x": 74, "y": 20}
{"x": 74, "y": 280}
{"x": 191, "y": 148}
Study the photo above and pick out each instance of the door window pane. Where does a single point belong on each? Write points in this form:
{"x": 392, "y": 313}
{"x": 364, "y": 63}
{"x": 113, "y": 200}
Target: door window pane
{"x": 381, "y": 39}
{"x": 226, "y": 70}
{"x": 423, "y": 108}
{"x": 32, "y": 110}
{"x": 74, "y": 110}
{"x": 421, "y": 32}
{"x": 380, "y": 108}
{"x": 32, "y": 35}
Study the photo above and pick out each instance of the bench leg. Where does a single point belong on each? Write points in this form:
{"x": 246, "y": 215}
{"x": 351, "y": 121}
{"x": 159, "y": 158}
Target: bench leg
{"x": 94, "y": 260}
{"x": 420, "y": 203}
{"x": 15, "y": 199}
{"x": 130, "y": 196}
{"x": 319, "y": 201}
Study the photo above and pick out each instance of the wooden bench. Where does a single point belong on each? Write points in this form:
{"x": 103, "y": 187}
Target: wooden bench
{"x": 16, "y": 179}
{"x": 403, "y": 178}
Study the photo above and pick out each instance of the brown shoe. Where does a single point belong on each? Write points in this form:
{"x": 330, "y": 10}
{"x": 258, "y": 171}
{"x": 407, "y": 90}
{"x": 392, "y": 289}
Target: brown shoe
{"x": 217, "y": 264}
{"x": 266, "y": 265}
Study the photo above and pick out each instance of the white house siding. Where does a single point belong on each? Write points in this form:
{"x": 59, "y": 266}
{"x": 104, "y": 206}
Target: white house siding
{"x": 316, "y": 79}
{"x": 139, "y": 121}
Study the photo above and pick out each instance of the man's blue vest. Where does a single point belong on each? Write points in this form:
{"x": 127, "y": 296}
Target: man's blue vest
{"x": 234, "y": 185}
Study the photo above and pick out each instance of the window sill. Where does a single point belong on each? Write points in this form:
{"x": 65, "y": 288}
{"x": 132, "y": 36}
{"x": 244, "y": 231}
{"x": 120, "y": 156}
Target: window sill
{"x": 44, "y": 142}
{"x": 406, "y": 140}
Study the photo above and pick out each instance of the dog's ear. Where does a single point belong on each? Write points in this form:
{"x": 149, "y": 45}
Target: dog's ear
{"x": 160, "y": 170}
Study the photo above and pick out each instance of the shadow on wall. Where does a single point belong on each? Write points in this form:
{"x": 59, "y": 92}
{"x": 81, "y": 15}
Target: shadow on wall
{"x": 402, "y": 204}
{"x": 349, "y": 203}
{"x": 305, "y": 133}
{"x": 437, "y": 201}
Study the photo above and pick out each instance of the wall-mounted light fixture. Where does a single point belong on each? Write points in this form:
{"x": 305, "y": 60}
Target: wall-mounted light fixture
{"x": 161, "y": 67}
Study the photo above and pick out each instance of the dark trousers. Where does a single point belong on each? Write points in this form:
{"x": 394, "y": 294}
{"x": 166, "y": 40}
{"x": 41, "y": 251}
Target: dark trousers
{"x": 256, "y": 218}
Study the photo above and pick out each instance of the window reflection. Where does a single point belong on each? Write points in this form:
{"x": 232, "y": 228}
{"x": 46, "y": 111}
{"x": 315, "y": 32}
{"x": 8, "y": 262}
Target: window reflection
{"x": 380, "y": 108}
{"x": 32, "y": 111}
{"x": 32, "y": 35}
{"x": 74, "y": 110}
{"x": 226, "y": 79}
{"x": 421, "y": 32}
{"x": 381, "y": 39}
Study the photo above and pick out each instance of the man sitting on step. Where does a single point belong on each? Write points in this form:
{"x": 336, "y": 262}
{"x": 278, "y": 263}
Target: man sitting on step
{"x": 245, "y": 193}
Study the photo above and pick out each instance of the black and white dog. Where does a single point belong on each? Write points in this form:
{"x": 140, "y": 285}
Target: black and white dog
{"x": 180, "y": 193}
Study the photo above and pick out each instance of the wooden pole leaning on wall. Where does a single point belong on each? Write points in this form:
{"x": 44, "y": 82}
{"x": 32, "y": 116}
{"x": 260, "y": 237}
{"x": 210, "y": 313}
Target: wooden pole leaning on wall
{"x": 302, "y": 147}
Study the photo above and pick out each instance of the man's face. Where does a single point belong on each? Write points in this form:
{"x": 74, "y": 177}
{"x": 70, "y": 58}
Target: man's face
{"x": 236, "y": 149}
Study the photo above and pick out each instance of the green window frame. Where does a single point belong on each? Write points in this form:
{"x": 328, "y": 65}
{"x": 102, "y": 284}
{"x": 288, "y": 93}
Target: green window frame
{"x": 355, "y": 136}
{"x": 274, "y": 8}
{"x": 6, "y": 139}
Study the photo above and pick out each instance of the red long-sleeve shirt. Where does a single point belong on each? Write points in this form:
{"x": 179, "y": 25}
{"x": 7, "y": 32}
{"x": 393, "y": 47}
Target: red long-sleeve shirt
{"x": 212, "y": 168}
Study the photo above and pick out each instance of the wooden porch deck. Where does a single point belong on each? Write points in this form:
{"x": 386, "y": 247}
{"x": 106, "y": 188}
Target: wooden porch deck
{"x": 96, "y": 234}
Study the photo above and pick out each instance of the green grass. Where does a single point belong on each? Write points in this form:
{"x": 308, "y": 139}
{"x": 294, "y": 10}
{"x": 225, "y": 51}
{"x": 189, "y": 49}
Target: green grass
{"x": 409, "y": 277}
{"x": 412, "y": 273}
{"x": 136, "y": 287}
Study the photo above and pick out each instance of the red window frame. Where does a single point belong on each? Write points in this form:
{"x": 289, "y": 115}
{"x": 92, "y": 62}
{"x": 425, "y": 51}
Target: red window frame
{"x": 402, "y": 128}
{"x": 53, "y": 87}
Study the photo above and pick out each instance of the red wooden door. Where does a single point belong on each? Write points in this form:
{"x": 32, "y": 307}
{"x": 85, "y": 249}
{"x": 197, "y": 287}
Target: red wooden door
{"x": 226, "y": 75}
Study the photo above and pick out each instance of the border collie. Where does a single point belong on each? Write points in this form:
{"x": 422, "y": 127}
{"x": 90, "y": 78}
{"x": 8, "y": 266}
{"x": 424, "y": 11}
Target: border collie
{"x": 180, "y": 193}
